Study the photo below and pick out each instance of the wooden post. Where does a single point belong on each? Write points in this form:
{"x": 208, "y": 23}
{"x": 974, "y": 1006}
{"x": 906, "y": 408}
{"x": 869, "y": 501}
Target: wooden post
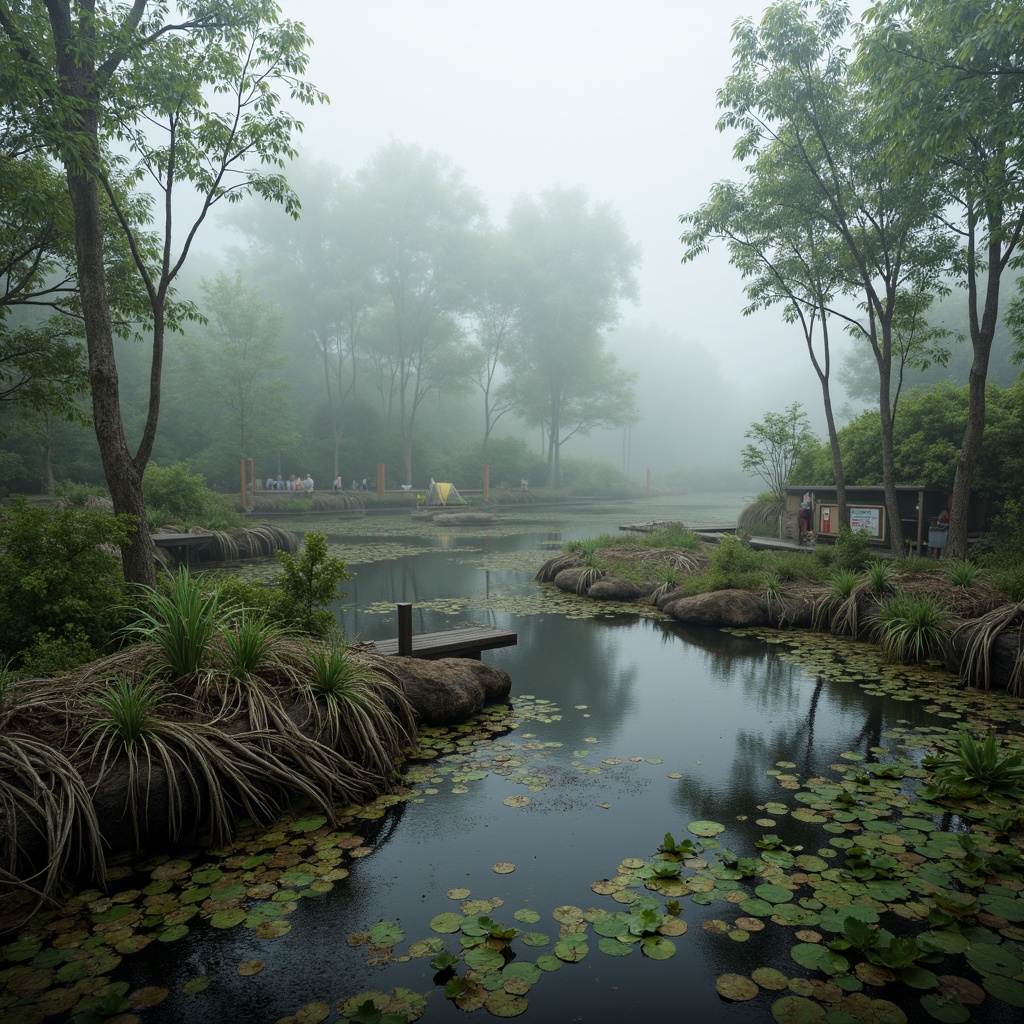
{"x": 487, "y": 482}
{"x": 405, "y": 628}
{"x": 648, "y": 483}
{"x": 380, "y": 479}
{"x": 241, "y": 473}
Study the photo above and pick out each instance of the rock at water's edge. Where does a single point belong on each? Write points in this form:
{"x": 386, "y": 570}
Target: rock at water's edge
{"x": 449, "y": 689}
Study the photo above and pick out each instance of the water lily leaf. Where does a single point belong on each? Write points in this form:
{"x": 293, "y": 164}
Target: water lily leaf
{"x": 944, "y": 1010}
{"x": 1008, "y": 990}
{"x": 503, "y": 868}
{"x": 774, "y": 893}
{"x": 530, "y": 973}
{"x": 458, "y": 894}
{"x": 273, "y": 929}
{"x": 174, "y": 932}
{"x": 228, "y": 918}
{"x": 549, "y": 962}
{"x": 771, "y": 979}
{"x": 505, "y": 1004}
{"x": 612, "y": 947}
{"x": 446, "y": 924}
{"x": 736, "y": 987}
{"x": 387, "y": 933}
{"x": 527, "y": 916}
{"x": 484, "y": 960}
{"x": 425, "y": 947}
{"x": 797, "y": 1010}
{"x": 250, "y": 967}
{"x": 535, "y": 939}
{"x": 571, "y": 948}
{"x": 658, "y": 947}
{"x": 312, "y": 1013}
{"x": 705, "y": 829}
{"x": 992, "y": 959}
{"x": 194, "y": 986}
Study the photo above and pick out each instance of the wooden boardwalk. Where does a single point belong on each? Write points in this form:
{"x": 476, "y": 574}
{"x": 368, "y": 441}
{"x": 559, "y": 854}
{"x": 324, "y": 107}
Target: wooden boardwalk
{"x": 461, "y": 642}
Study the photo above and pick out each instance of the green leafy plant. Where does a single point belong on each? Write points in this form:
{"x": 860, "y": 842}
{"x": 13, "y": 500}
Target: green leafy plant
{"x": 880, "y": 574}
{"x": 180, "y": 619}
{"x": 310, "y": 581}
{"x": 853, "y": 549}
{"x": 58, "y": 578}
{"x": 962, "y": 572}
{"x": 248, "y": 641}
{"x": 911, "y": 629}
{"x": 359, "y": 711}
{"x": 685, "y": 848}
{"x": 977, "y": 767}
{"x": 176, "y": 495}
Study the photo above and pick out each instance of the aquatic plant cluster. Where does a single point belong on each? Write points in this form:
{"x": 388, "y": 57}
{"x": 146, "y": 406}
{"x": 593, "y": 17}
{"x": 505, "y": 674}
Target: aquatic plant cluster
{"x": 216, "y": 714}
{"x": 879, "y": 890}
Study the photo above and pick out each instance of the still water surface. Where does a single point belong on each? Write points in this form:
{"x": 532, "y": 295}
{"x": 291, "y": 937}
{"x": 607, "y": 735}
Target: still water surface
{"x": 715, "y": 710}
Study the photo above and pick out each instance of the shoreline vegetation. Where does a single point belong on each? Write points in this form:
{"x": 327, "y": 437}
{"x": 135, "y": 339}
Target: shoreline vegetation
{"x": 953, "y": 612}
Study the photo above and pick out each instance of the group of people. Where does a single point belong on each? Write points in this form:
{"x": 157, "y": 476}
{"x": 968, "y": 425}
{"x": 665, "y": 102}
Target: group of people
{"x": 293, "y": 483}
{"x": 339, "y": 484}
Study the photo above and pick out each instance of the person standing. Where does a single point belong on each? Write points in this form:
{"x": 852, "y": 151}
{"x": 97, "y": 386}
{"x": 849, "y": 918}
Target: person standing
{"x": 806, "y": 516}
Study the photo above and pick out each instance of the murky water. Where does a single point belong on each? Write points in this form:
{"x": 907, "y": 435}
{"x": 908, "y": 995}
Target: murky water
{"x": 650, "y": 726}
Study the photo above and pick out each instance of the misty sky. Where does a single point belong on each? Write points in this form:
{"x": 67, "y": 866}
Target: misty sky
{"x": 618, "y": 97}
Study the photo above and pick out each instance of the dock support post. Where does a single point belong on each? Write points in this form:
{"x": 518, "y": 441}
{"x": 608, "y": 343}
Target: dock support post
{"x": 405, "y": 629}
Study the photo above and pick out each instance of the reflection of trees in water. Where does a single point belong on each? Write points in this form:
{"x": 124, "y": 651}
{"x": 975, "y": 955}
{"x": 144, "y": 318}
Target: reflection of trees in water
{"x": 578, "y": 664}
{"x": 820, "y": 719}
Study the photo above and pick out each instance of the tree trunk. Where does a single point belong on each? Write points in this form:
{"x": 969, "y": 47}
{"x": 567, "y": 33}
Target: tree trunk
{"x": 982, "y": 334}
{"x": 892, "y": 508}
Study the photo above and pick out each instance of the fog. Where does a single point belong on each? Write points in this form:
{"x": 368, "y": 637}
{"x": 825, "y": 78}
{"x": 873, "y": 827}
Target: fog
{"x": 618, "y": 98}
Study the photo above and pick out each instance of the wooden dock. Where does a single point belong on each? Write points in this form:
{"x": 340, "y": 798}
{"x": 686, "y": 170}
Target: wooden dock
{"x": 461, "y": 642}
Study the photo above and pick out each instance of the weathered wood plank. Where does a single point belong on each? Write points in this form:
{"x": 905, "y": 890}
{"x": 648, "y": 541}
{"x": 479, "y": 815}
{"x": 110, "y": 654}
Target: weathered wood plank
{"x": 464, "y": 641}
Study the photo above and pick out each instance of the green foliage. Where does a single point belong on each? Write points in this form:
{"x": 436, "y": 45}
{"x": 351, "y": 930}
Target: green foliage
{"x": 880, "y": 576}
{"x": 181, "y": 618}
{"x": 53, "y": 652}
{"x": 976, "y": 768}
{"x": 911, "y": 629}
{"x": 58, "y": 579}
{"x": 774, "y": 446}
{"x": 176, "y": 495}
{"x": 733, "y": 565}
{"x": 1011, "y": 581}
{"x": 248, "y": 641}
{"x": 684, "y": 848}
{"x": 128, "y": 708}
{"x": 962, "y": 572}
{"x": 853, "y": 549}
{"x": 310, "y": 581}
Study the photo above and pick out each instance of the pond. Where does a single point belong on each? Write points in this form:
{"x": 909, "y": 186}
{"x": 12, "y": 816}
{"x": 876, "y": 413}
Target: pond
{"x": 790, "y": 767}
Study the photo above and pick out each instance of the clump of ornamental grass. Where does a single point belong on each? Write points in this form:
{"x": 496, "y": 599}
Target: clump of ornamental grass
{"x": 912, "y": 629}
{"x": 358, "y": 710}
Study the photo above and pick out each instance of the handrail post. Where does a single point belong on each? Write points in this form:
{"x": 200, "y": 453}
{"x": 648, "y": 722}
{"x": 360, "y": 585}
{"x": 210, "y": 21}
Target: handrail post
{"x": 405, "y": 629}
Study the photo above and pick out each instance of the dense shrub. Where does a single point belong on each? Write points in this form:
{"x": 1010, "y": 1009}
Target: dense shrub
{"x": 61, "y": 586}
{"x": 853, "y": 549}
{"x": 733, "y": 565}
{"x": 175, "y": 495}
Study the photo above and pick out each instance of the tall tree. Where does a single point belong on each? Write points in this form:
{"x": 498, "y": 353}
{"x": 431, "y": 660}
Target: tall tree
{"x": 949, "y": 87}
{"x": 89, "y": 73}
{"x": 495, "y": 328}
{"x": 422, "y": 226}
{"x": 237, "y": 362}
{"x": 786, "y": 258}
{"x": 799, "y": 111}
{"x": 320, "y": 275}
{"x": 581, "y": 266}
